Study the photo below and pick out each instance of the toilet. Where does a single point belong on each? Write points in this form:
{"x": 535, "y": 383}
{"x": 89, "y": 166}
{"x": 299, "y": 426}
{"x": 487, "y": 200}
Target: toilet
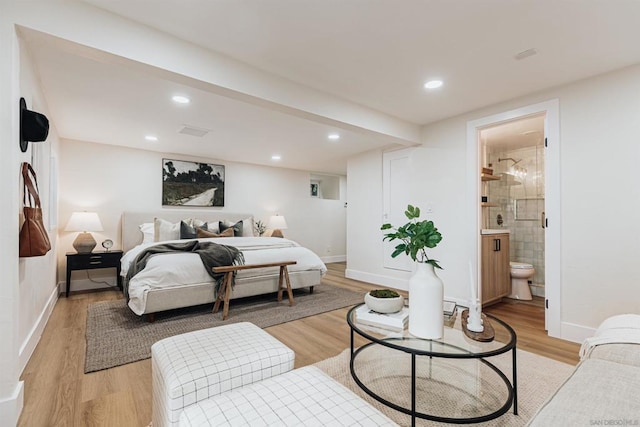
{"x": 521, "y": 272}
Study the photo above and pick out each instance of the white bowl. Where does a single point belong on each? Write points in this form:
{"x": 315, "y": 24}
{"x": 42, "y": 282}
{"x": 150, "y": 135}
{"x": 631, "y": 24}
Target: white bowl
{"x": 384, "y": 305}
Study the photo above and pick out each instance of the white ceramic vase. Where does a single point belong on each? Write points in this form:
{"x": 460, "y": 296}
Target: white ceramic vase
{"x": 426, "y": 293}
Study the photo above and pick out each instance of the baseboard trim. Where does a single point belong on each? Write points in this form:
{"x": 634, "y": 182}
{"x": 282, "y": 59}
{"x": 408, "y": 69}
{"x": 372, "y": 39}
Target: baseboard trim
{"x": 11, "y": 408}
{"x": 377, "y": 279}
{"x": 29, "y": 345}
{"x": 575, "y": 333}
{"x": 334, "y": 258}
{"x": 88, "y": 285}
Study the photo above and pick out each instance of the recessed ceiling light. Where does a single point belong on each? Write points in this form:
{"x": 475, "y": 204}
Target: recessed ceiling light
{"x": 433, "y": 84}
{"x": 276, "y": 157}
{"x": 151, "y": 138}
{"x": 333, "y": 136}
{"x": 181, "y": 99}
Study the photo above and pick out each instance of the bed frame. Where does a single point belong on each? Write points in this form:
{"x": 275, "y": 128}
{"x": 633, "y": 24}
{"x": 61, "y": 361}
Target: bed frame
{"x": 190, "y": 295}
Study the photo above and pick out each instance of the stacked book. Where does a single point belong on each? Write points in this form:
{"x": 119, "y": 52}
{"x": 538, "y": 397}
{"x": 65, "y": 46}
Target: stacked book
{"x": 389, "y": 321}
{"x": 449, "y": 309}
{"x": 398, "y": 321}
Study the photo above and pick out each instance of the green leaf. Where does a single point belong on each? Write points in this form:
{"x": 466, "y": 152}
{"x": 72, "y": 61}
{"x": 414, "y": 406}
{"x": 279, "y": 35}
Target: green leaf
{"x": 434, "y": 263}
{"x": 416, "y": 236}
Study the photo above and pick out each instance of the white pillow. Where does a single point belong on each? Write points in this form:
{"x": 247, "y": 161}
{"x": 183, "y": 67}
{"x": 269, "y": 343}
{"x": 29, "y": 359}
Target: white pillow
{"x": 147, "y": 232}
{"x": 247, "y": 227}
{"x": 165, "y": 230}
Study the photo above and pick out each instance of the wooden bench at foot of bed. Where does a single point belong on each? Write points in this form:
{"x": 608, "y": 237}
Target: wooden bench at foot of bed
{"x": 224, "y": 293}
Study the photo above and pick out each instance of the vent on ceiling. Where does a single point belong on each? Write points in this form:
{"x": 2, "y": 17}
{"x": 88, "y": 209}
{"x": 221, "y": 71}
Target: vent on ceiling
{"x": 193, "y": 131}
{"x": 525, "y": 54}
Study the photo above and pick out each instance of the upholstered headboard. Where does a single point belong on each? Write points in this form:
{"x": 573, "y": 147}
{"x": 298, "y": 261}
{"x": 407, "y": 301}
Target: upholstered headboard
{"x": 132, "y": 236}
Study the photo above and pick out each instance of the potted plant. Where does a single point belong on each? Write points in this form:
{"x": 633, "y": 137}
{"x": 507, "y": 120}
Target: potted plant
{"x": 260, "y": 228}
{"x": 426, "y": 290}
{"x": 415, "y": 236}
{"x": 384, "y": 301}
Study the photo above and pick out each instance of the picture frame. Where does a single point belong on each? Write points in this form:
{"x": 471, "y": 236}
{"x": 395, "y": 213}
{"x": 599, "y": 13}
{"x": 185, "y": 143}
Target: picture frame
{"x": 186, "y": 183}
{"x": 314, "y": 190}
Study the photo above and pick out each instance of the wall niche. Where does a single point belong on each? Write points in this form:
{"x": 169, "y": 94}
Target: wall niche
{"x": 324, "y": 187}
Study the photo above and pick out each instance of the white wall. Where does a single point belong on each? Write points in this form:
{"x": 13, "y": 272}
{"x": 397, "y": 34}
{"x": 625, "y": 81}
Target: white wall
{"x": 37, "y": 282}
{"x": 599, "y": 149}
{"x": 431, "y": 172}
{"x": 27, "y": 292}
{"x": 111, "y": 179}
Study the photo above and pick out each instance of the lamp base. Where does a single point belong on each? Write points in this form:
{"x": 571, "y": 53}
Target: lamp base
{"x": 277, "y": 233}
{"x": 84, "y": 243}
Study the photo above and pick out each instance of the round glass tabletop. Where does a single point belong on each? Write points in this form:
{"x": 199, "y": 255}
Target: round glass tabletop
{"x": 454, "y": 343}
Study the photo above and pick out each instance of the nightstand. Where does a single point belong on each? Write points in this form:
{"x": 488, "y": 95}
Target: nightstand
{"x": 90, "y": 261}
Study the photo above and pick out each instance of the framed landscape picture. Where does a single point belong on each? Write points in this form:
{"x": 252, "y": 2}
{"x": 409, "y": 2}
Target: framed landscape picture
{"x": 192, "y": 183}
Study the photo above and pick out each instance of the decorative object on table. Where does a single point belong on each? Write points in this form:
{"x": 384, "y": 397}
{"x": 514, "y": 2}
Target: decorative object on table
{"x": 107, "y": 244}
{"x": 448, "y": 308}
{"x": 449, "y": 311}
{"x": 384, "y": 301}
{"x": 260, "y": 228}
{"x": 277, "y": 223}
{"x": 487, "y": 334}
{"x": 34, "y": 126}
{"x": 192, "y": 183}
{"x": 475, "y": 321}
{"x": 426, "y": 290}
{"x": 84, "y": 222}
{"x": 34, "y": 240}
{"x": 389, "y": 321}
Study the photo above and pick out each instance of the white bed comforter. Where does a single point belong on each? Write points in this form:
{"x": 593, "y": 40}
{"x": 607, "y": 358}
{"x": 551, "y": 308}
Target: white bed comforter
{"x": 186, "y": 268}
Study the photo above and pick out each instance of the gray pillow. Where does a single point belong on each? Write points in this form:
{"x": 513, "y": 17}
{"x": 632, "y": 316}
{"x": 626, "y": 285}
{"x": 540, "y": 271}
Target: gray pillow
{"x": 189, "y": 232}
{"x": 237, "y": 228}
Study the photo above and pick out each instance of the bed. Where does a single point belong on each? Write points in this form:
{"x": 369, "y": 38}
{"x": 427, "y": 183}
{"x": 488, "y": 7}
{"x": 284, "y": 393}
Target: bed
{"x": 179, "y": 280}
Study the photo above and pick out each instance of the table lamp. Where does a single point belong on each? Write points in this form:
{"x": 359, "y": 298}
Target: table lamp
{"x": 84, "y": 222}
{"x": 277, "y": 223}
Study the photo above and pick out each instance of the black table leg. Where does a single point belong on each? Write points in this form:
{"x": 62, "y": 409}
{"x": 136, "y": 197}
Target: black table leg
{"x": 413, "y": 390}
{"x": 515, "y": 382}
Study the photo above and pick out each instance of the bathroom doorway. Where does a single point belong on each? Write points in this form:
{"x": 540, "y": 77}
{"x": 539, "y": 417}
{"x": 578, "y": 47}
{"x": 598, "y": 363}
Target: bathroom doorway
{"x": 520, "y": 149}
{"x": 514, "y": 153}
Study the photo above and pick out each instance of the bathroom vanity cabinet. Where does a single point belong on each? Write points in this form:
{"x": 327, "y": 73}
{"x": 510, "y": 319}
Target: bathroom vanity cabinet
{"x": 496, "y": 279}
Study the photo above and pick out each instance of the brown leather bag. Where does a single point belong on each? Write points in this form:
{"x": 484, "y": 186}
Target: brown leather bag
{"x": 34, "y": 240}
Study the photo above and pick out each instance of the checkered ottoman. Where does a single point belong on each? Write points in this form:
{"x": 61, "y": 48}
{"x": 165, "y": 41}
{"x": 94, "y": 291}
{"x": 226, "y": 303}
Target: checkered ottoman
{"x": 302, "y": 397}
{"x": 192, "y": 367}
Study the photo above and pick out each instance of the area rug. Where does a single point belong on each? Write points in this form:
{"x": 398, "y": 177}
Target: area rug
{"x": 538, "y": 378}
{"x": 116, "y": 336}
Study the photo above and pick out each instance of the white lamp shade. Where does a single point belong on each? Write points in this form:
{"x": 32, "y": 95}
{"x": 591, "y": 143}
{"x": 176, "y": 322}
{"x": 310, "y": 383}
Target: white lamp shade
{"x": 84, "y": 221}
{"x": 277, "y": 222}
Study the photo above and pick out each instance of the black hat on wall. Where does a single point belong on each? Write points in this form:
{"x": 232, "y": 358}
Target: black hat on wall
{"x": 34, "y": 126}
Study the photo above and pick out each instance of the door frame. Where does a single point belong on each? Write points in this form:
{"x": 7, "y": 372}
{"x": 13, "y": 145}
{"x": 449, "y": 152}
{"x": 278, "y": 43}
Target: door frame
{"x": 551, "y": 109}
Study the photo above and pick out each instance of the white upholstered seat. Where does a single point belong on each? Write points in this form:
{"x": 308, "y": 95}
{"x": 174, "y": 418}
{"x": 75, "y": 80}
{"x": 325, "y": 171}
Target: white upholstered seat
{"x": 302, "y": 397}
{"x": 192, "y": 367}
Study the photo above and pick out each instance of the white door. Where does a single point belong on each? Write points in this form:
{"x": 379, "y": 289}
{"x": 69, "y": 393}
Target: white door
{"x": 395, "y": 189}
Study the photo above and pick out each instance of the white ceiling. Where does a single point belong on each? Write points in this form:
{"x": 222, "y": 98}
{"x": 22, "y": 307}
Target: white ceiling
{"x": 375, "y": 53}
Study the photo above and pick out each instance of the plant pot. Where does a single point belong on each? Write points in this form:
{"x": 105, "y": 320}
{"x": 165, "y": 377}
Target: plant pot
{"x": 384, "y": 305}
{"x": 426, "y": 294}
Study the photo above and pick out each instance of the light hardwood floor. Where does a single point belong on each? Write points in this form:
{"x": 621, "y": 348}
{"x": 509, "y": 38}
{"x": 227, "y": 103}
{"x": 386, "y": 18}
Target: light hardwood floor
{"x": 58, "y": 393}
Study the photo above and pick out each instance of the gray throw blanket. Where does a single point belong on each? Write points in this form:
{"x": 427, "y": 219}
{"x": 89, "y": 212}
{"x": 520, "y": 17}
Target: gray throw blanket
{"x": 211, "y": 254}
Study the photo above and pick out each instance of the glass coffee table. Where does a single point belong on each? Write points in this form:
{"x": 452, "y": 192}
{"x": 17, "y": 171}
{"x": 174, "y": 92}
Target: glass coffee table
{"x": 453, "y": 379}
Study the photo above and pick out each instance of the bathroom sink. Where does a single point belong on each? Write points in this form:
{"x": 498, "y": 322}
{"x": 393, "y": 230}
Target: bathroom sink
{"x": 494, "y": 231}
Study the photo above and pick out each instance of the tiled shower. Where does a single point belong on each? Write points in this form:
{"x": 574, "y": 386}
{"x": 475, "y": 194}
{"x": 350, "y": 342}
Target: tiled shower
{"x": 520, "y": 197}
